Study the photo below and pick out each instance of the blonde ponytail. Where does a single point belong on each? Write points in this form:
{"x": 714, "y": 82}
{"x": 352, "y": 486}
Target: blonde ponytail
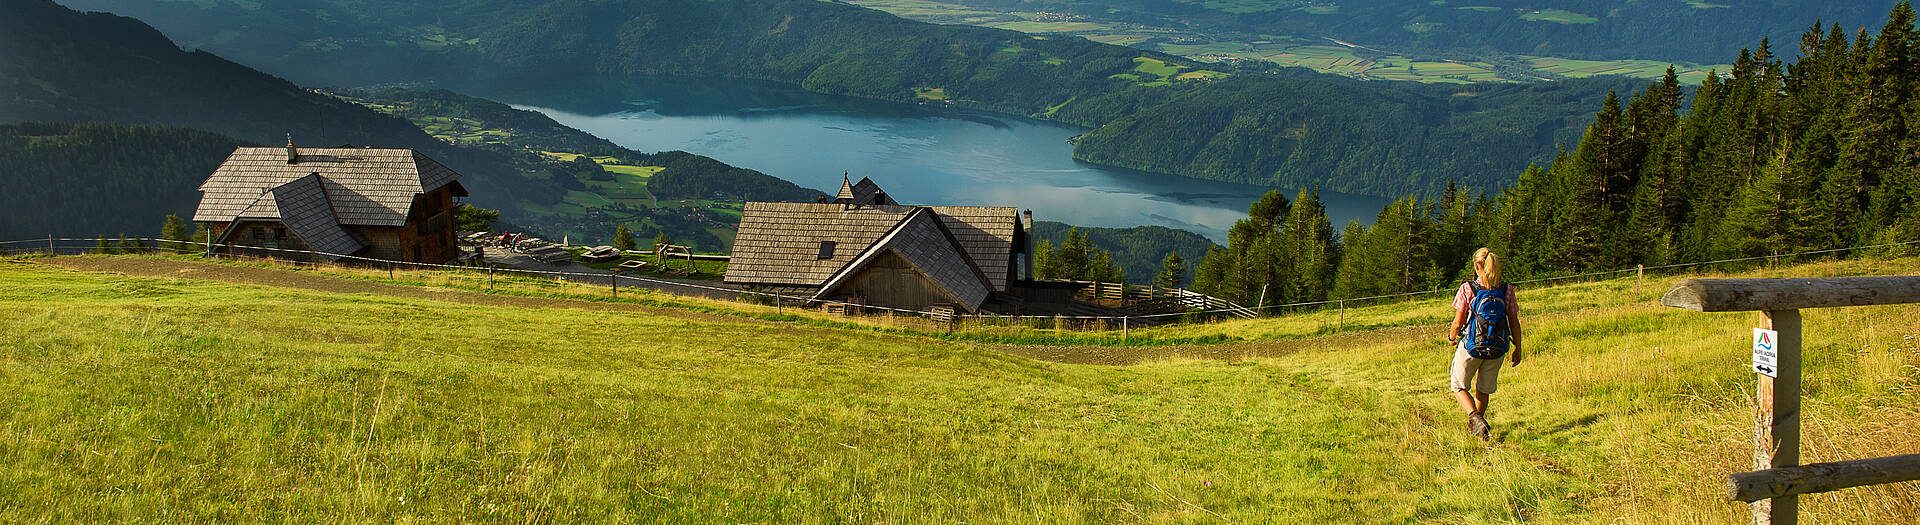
{"x": 1487, "y": 265}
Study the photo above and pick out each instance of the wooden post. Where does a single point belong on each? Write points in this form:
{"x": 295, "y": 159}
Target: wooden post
{"x": 489, "y": 277}
{"x": 1776, "y": 420}
{"x": 616, "y": 286}
{"x": 1343, "y": 314}
{"x": 50, "y": 244}
{"x": 1639, "y": 275}
{"x": 1123, "y": 329}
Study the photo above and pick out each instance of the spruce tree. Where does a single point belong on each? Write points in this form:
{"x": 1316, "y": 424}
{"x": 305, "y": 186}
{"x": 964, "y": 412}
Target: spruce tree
{"x": 175, "y": 231}
{"x": 1173, "y": 272}
{"x": 1307, "y": 249}
{"x": 1074, "y": 256}
{"x": 1045, "y": 265}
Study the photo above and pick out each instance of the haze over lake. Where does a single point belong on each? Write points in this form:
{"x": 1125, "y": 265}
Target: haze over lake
{"x": 919, "y": 154}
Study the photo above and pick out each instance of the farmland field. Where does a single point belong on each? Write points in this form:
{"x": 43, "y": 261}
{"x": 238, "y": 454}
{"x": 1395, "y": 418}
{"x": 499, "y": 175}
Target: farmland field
{"x": 1558, "y": 16}
{"x": 417, "y": 404}
{"x": 1317, "y": 54}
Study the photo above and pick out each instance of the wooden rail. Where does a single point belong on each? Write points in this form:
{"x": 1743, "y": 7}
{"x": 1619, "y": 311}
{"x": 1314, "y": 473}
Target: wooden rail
{"x": 1822, "y": 477}
{"x": 1746, "y": 295}
{"x": 1773, "y": 488}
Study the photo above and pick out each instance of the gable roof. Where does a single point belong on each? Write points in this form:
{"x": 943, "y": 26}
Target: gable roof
{"x": 779, "y": 243}
{"x": 304, "y": 209}
{"x": 931, "y": 250}
{"x": 363, "y": 187}
{"x": 863, "y": 193}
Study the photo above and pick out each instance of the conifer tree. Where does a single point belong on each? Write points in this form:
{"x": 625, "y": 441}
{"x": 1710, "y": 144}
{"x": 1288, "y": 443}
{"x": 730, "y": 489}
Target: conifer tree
{"x": 1044, "y": 265}
{"x": 130, "y": 245}
{"x": 1212, "y": 270}
{"x": 1074, "y": 256}
{"x": 1102, "y": 268}
{"x": 1308, "y": 249}
{"x": 175, "y": 230}
{"x": 623, "y": 238}
{"x": 1173, "y": 272}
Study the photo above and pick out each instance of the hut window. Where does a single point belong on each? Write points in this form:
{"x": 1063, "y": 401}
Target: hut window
{"x": 826, "y": 249}
{"x": 259, "y": 234}
{"x": 279, "y": 233}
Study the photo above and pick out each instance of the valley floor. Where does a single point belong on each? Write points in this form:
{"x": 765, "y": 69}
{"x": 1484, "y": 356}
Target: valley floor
{"x": 180, "y": 396}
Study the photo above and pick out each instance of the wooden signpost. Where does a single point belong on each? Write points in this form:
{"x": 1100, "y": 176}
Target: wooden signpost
{"x": 1773, "y": 488}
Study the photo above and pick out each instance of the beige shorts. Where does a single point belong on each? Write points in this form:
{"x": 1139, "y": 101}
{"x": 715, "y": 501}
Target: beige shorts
{"x": 1483, "y": 374}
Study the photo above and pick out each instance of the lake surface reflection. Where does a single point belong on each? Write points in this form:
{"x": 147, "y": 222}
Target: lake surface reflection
{"x": 921, "y": 155}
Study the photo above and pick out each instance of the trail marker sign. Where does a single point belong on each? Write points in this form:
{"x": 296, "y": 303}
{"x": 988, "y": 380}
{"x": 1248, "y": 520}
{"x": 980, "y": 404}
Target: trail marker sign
{"x": 1766, "y": 352}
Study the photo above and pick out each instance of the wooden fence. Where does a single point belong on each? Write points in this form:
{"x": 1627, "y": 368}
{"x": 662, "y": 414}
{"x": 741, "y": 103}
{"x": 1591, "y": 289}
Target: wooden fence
{"x": 1773, "y": 488}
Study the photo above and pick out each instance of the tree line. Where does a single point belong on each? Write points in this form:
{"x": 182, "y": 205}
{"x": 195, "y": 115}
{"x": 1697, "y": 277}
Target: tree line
{"x": 1772, "y": 157}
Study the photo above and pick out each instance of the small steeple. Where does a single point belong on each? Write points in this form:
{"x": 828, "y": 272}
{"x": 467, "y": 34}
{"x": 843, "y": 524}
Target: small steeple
{"x": 846, "y": 187}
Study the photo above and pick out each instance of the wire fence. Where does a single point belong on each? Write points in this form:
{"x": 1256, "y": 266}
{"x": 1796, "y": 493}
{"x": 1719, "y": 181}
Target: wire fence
{"x": 1209, "y": 310}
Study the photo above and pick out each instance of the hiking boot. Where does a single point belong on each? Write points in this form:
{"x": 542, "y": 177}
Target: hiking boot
{"x": 1477, "y": 424}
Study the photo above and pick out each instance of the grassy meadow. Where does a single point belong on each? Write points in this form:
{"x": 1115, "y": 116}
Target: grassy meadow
{"x": 128, "y": 398}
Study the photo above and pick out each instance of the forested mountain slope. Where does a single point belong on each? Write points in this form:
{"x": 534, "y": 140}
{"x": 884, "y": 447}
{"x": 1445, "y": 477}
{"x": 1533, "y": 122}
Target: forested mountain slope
{"x": 101, "y": 179}
{"x": 66, "y": 66}
{"x": 1439, "y": 133}
{"x": 1667, "y": 30}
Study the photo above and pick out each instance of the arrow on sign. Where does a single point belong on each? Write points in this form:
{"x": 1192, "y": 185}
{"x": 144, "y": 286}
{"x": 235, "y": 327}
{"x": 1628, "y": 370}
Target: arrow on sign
{"x": 1764, "y": 369}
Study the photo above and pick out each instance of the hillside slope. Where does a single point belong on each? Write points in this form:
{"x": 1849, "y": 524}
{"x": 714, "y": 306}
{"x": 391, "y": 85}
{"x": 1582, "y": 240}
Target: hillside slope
{"x": 386, "y": 408}
{"x": 1440, "y": 133}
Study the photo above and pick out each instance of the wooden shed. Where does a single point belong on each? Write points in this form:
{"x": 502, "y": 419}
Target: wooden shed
{"x": 863, "y": 247}
{"x": 392, "y": 204}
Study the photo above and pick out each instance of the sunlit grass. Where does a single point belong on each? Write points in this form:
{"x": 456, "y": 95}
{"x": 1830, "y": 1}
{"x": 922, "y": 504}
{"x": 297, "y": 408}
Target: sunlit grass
{"x": 156, "y": 399}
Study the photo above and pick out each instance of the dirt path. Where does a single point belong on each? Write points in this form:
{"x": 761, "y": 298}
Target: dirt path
{"x": 1074, "y": 354}
{"x": 171, "y": 268}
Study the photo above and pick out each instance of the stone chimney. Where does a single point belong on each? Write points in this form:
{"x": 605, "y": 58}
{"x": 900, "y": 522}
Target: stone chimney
{"x": 1026, "y": 225}
{"x": 293, "y": 157}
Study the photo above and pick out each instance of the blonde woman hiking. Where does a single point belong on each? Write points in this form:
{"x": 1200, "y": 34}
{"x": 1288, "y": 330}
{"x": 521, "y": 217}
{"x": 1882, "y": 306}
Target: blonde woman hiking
{"x": 1486, "y": 310}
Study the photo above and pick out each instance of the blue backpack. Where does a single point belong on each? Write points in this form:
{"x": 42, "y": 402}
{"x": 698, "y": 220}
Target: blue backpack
{"x": 1487, "y": 329}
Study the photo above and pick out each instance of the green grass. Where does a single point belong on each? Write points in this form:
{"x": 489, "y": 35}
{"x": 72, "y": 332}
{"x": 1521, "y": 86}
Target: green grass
{"x": 1558, "y": 16}
{"x": 136, "y": 399}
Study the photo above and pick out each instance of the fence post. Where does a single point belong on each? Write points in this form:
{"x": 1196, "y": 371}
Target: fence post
{"x": 489, "y": 277}
{"x": 1123, "y": 329}
{"x": 1776, "y": 421}
{"x": 616, "y": 286}
{"x": 50, "y": 244}
{"x": 1343, "y": 315}
{"x": 1639, "y": 275}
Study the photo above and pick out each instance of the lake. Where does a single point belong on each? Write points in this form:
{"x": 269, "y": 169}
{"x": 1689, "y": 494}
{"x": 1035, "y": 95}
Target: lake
{"x": 919, "y": 154}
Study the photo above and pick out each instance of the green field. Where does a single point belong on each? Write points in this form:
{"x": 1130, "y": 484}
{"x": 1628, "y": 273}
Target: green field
{"x": 1558, "y": 16}
{"x": 1317, "y": 54}
{"x": 128, "y": 398}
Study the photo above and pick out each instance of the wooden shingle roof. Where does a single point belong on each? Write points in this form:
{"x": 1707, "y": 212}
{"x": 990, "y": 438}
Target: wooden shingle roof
{"x": 863, "y": 193}
{"x": 924, "y": 243}
{"x": 986, "y": 234}
{"x": 304, "y": 209}
{"x": 365, "y": 187}
{"x": 780, "y": 243}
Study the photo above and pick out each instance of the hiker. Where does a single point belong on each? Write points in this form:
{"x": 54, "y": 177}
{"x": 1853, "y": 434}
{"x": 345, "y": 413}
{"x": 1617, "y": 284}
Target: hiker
{"x": 1485, "y": 309}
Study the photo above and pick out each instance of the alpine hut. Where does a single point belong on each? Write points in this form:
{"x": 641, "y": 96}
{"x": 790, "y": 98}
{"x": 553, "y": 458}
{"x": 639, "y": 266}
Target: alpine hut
{"x": 325, "y": 203}
{"x": 862, "y": 247}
